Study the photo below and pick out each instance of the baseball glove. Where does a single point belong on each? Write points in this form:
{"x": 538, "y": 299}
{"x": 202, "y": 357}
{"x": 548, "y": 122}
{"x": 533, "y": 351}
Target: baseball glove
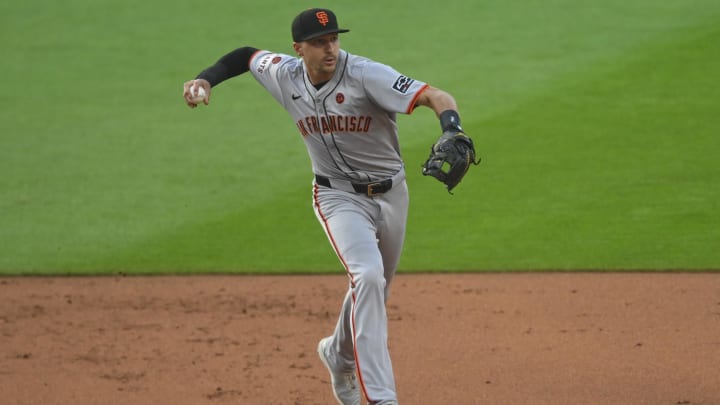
{"x": 450, "y": 158}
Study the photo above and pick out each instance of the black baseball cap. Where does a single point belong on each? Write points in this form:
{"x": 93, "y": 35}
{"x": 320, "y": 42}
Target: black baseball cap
{"x": 314, "y": 23}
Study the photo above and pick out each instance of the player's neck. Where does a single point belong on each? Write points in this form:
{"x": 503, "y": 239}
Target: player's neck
{"x": 319, "y": 85}
{"x": 318, "y": 79}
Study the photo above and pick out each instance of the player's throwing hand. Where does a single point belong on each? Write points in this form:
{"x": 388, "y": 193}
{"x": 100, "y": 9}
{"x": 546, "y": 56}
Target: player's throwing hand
{"x": 196, "y": 91}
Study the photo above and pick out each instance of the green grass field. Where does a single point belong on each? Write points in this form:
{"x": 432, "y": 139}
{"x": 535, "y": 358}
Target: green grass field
{"x": 597, "y": 123}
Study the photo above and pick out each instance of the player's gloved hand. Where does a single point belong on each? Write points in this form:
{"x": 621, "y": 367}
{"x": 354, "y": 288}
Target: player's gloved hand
{"x": 450, "y": 158}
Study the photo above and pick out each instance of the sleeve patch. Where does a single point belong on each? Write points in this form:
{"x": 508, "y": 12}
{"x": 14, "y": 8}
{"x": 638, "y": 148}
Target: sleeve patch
{"x": 264, "y": 63}
{"x": 402, "y": 84}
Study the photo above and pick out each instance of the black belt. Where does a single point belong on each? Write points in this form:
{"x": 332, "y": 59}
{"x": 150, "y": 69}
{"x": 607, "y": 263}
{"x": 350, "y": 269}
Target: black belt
{"x": 370, "y": 189}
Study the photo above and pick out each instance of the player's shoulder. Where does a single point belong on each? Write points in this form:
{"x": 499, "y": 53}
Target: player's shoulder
{"x": 359, "y": 62}
{"x": 367, "y": 70}
{"x": 361, "y": 66}
{"x": 366, "y": 64}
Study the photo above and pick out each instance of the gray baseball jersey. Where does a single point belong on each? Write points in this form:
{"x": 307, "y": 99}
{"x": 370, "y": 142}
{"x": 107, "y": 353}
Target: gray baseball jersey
{"x": 350, "y": 131}
{"x": 349, "y": 124}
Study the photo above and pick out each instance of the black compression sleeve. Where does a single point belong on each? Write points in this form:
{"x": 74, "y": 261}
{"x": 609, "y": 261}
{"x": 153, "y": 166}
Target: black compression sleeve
{"x": 234, "y": 63}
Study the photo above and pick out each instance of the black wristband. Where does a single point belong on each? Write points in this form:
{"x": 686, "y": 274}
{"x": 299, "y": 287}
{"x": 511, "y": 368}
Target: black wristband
{"x": 450, "y": 120}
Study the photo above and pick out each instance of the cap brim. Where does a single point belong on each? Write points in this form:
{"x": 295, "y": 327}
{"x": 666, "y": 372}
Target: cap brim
{"x": 321, "y": 33}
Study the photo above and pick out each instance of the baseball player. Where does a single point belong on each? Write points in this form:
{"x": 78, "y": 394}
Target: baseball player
{"x": 345, "y": 107}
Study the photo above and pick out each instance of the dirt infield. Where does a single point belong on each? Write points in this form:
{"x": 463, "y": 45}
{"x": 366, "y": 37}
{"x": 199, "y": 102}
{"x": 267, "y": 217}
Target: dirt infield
{"x": 547, "y": 338}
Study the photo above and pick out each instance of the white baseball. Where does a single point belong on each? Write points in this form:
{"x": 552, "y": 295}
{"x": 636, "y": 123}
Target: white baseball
{"x": 197, "y": 94}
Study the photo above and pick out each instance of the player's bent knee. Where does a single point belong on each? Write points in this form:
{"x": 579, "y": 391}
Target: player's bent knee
{"x": 371, "y": 278}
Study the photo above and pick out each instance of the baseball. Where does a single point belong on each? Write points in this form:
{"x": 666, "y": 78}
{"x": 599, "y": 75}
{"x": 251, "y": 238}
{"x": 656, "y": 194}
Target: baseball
{"x": 197, "y": 94}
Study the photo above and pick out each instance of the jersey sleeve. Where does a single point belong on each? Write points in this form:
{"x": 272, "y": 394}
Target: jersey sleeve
{"x": 390, "y": 89}
{"x": 271, "y": 70}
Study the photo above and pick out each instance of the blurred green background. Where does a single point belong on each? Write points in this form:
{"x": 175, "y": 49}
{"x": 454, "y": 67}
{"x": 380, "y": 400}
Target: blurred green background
{"x": 597, "y": 122}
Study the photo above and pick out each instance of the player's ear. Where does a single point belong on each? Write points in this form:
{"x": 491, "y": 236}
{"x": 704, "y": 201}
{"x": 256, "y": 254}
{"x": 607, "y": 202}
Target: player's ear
{"x": 298, "y": 49}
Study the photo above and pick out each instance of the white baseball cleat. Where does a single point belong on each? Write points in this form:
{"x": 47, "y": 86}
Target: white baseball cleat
{"x": 344, "y": 384}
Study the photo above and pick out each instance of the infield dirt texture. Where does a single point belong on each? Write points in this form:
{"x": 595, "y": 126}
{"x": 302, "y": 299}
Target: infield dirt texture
{"x": 519, "y": 338}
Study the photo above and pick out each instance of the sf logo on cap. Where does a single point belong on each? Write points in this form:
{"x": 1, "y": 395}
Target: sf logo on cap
{"x": 322, "y": 17}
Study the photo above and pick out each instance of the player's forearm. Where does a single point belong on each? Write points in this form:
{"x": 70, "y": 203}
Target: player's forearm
{"x": 444, "y": 106}
{"x": 438, "y": 100}
{"x": 233, "y": 64}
